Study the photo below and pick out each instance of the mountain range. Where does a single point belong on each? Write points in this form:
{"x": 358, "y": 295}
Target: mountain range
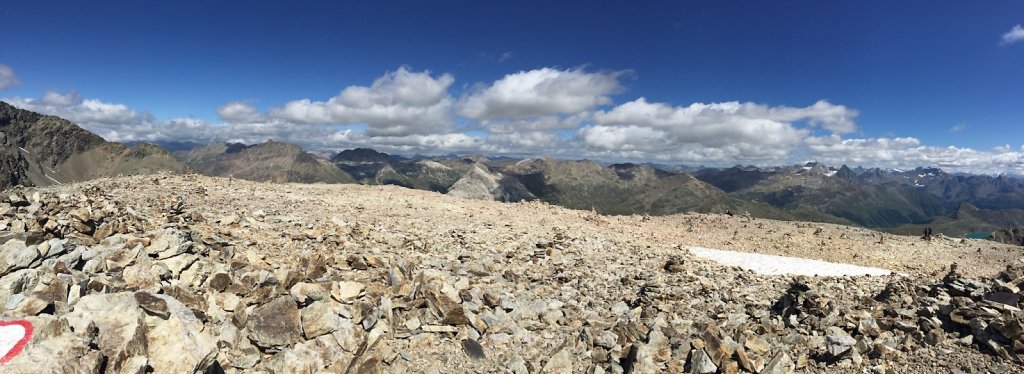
{"x": 267, "y": 162}
{"x": 39, "y": 150}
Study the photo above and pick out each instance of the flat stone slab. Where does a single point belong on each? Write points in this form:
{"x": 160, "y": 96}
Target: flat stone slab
{"x": 782, "y": 265}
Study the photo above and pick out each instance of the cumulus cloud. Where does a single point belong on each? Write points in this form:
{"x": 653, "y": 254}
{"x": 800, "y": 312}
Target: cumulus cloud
{"x": 239, "y": 112}
{"x": 721, "y": 131}
{"x": 415, "y": 143}
{"x": 908, "y": 152}
{"x": 1015, "y": 34}
{"x": 402, "y": 102}
{"x": 541, "y": 92}
{"x": 7, "y": 77}
{"x": 86, "y": 112}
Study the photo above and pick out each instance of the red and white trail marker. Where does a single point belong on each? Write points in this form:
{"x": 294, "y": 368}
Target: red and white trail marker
{"x": 13, "y": 337}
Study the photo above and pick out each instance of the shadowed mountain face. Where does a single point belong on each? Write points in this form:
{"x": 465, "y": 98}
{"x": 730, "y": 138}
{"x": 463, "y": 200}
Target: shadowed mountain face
{"x": 39, "y": 150}
{"x": 268, "y": 162}
{"x": 368, "y": 166}
{"x": 362, "y": 155}
{"x": 967, "y": 219}
{"x": 901, "y": 201}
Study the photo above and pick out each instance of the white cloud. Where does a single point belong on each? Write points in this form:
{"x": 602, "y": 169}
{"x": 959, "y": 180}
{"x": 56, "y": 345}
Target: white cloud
{"x": 1015, "y": 34}
{"x": 907, "y": 152}
{"x": 541, "y": 123}
{"x": 414, "y": 143}
{"x": 399, "y": 103}
{"x": 835, "y": 118}
{"x": 89, "y": 113}
{"x": 958, "y": 127}
{"x": 529, "y": 144}
{"x": 714, "y": 133}
{"x": 541, "y": 92}
{"x": 7, "y": 77}
{"x": 239, "y": 112}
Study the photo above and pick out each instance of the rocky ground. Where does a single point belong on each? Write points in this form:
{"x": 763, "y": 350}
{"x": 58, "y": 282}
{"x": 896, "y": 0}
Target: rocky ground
{"x": 183, "y": 273}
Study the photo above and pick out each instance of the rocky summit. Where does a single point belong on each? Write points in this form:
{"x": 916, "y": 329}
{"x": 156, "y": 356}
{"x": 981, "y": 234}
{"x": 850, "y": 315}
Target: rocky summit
{"x": 185, "y": 273}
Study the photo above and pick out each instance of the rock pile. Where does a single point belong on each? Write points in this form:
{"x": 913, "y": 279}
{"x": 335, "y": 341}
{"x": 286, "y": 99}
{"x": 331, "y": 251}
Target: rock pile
{"x": 168, "y": 286}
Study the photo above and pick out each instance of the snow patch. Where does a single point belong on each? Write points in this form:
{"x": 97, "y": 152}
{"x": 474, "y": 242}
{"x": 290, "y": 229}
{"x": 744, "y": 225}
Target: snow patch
{"x": 781, "y": 265}
{"x": 54, "y": 180}
{"x": 23, "y": 150}
{"x": 831, "y": 173}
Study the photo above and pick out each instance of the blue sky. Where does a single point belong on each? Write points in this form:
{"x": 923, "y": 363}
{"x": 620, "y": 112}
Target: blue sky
{"x": 713, "y": 83}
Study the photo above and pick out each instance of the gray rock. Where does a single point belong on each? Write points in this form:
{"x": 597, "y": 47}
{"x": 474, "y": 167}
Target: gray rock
{"x": 120, "y": 323}
{"x": 17, "y": 282}
{"x": 299, "y": 359}
{"x": 66, "y": 353}
{"x": 560, "y": 363}
{"x": 170, "y": 243}
{"x": 135, "y": 365}
{"x": 345, "y": 291}
{"x": 307, "y": 292}
{"x": 275, "y": 324}
{"x": 838, "y": 342}
{"x": 701, "y": 363}
{"x": 15, "y": 255}
{"x": 220, "y": 281}
{"x": 320, "y": 318}
{"x": 152, "y": 304}
{"x": 349, "y": 335}
{"x": 179, "y": 344}
{"x": 179, "y": 263}
{"x": 473, "y": 349}
{"x": 780, "y": 364}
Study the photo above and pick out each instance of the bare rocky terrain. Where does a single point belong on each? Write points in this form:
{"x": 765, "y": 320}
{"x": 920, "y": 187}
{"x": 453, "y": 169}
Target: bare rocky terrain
{"x": 184, "y": 273}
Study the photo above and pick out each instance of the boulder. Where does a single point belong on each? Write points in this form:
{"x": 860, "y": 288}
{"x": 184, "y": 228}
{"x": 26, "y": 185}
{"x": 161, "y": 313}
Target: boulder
{"x": 560, "y": 363}
{"x": 345, "y": 291}
{"x": 15, "y": 255}
{"x": 320, "y": 318}
{"x": 300, "y": 359}
{"x": 179, "y": 343}
{"x": 276, "y": 323}
{"x": 120, "y": 324}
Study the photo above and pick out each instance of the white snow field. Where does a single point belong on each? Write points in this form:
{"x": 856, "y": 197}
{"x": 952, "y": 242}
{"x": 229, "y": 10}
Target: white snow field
{"x": 781, "y": 265}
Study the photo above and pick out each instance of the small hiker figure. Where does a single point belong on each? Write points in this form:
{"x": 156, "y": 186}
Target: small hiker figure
{"x": 927, "y": 234}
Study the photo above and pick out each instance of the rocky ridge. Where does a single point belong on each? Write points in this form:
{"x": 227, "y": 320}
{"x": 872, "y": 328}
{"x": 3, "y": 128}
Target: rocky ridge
{"x": 270, "y": 161}
{"x": 186, "y": 273}
{"x": 42, "y": 150}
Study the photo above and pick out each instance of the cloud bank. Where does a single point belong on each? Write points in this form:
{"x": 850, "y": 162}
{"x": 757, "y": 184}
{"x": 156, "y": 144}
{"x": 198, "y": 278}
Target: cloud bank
{"x": 569, "y": 113}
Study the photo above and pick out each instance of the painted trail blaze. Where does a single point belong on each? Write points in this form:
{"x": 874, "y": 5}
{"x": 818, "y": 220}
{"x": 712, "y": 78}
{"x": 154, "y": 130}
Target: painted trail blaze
{"x": 13, "y": 337}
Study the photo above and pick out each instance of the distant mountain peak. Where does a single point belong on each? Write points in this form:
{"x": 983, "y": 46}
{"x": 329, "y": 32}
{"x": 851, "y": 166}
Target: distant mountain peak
{"x": 43, "y": 150}
{"x": 362, "y": 155}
